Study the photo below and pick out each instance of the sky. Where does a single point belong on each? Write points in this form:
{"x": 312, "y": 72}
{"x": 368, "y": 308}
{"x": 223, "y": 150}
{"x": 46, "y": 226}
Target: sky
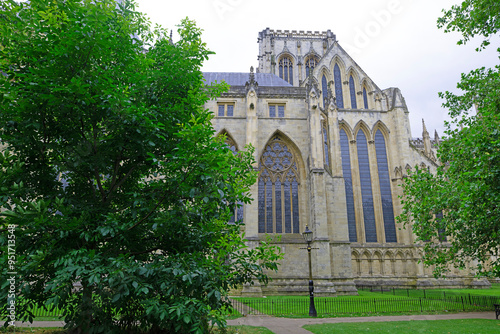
{"x": 396, "y": 42}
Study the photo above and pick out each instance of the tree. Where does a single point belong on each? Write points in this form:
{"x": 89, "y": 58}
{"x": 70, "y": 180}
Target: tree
{"x": 466, "y": 187}
{"x": 113, "y": 185}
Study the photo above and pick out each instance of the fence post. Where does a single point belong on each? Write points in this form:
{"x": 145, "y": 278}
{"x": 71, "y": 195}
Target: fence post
{"x": 463, "y": 306}
{"x": 421, "y": 309}
{"x": 375, "y": 304}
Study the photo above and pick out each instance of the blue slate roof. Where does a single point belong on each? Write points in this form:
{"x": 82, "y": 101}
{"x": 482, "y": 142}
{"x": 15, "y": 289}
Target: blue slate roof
{"x": 239, "y": 79}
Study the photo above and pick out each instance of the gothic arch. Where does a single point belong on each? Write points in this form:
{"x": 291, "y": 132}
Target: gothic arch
{"x": 352, "y": 71}
{"x": 348, "y": 130}
{"x": 337, "y": 60}
{"x": 289, "y": 141}
{"x": 286, "y": 54}
{"x": 311, "y": 61}
{"x": 366, "y": 82}
{"x": 379, "y": 125}
{"x": 285, "y": 66}
{"x": 377, "y": 264}
{"x": 323, "y": 70}
{"x": 352, "y": 79}
{"x": 280, "y": 186}
{"x": 361, "y": 125}
{"x": 229, "y": 137}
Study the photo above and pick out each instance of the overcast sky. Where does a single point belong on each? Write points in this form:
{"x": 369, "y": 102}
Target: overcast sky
{"x": 396, "y": 42}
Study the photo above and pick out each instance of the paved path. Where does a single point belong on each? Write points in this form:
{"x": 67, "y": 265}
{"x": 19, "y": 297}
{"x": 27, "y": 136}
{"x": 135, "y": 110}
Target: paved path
{"x": 294, "y": 326}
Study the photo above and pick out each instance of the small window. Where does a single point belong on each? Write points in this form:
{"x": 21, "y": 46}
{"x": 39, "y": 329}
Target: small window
{"x": 277, "y": 110}
{"x": 225, "y": 109}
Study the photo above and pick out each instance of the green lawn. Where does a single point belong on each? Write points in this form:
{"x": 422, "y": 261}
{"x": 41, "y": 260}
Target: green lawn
{"x": 458, "y": 326}
{"x": 367, "y": 303}
{"x": 230, "y": 330}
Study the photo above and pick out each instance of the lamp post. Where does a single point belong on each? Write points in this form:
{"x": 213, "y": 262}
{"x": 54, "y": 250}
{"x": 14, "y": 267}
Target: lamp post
{"x": 308, "y": 236}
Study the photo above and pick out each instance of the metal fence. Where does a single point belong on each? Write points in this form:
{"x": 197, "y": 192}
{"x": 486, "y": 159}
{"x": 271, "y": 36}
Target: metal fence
{"x": 361, "y": 305}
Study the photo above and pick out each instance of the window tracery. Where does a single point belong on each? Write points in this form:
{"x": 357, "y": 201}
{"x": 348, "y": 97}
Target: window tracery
{"x": 286, "y": 69}
{"x": 278, "y": 198}
{"x": 311, "y": 63}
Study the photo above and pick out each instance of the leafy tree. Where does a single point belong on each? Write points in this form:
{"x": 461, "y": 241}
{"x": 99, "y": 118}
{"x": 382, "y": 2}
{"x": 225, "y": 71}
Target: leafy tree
{"x": 466, "y": 187}
{"x": 112, "y": 181}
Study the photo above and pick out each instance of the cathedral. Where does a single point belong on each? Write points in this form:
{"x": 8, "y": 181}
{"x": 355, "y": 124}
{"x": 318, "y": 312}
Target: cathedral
{"x": 331, "y": 149}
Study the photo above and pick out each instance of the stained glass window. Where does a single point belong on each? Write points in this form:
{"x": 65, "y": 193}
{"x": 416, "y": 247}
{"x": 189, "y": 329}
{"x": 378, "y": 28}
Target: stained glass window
{"x": 310, "y": 65}
{"x": 238, "y": 208}
{"x": 286, "y": 69}
{"x": 352, "y": 90}
{"x": 338, "y": 86}
{"x": 365, "y": 98}
{"x": 278, "y": 189}
{"x": 325, "y": 144}
{"x": 366, "y": 188}
{"x": 324, "y": 90}
{"x": 346, "y": 170}
{"x": 385, "y": 188}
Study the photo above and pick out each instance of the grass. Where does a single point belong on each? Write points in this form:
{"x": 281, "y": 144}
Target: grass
{"x": 229, "y": 330}
{"x": 494, "y": 291}
{"x": 369, "y": 304}
{"x": 457, "y": 326}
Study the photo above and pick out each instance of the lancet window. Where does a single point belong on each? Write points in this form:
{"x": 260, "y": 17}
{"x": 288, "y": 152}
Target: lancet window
{"x": 278, "y": 198}
{"x": 286, "y": 69}
{"x": 238, "y": 208}
{"x": 352, "y": 90}
{"x": 366, "y": 187}
{"x": 326, "y": 147}
{"x": 338, "y": 86}
{"x": 346, "y": 170}
{"x": 324, "y": 90}
{"x": 385, "y": 188}
{"x": 365, "y": 98}
{"x": 310, "y": 65}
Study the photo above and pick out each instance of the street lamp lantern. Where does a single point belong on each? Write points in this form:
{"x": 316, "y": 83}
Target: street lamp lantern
{"x": 308, "y": 237}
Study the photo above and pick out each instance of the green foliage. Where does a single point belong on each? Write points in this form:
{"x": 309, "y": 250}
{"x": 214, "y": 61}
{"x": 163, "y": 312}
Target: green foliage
{"x": 118, "y": 190}
{"x": 467, "y": 184}
{"x": 472, "y": 18}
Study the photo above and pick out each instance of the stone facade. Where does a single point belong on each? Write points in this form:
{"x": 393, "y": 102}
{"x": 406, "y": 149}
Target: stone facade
{"x": 331, "y": 148}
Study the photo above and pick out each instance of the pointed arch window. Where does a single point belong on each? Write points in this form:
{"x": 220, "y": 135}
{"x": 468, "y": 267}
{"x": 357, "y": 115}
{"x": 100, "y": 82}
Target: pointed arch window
{"x": 286, "y": 69}
{"x": 278, "y": 198}
{"x": 311, "y": 63}
{"x": 352, "y": 90}
{"x": 365, "y": 98}
{"x": 326, "y": 147}
{"x": 366, "y": 187}
{"x": 324, "y": 90}
{"x": 385, "y": 188}
{"x": 338, "y": 86}
{"x": 238, "y": 208}
{"x": 349, "y": 194}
